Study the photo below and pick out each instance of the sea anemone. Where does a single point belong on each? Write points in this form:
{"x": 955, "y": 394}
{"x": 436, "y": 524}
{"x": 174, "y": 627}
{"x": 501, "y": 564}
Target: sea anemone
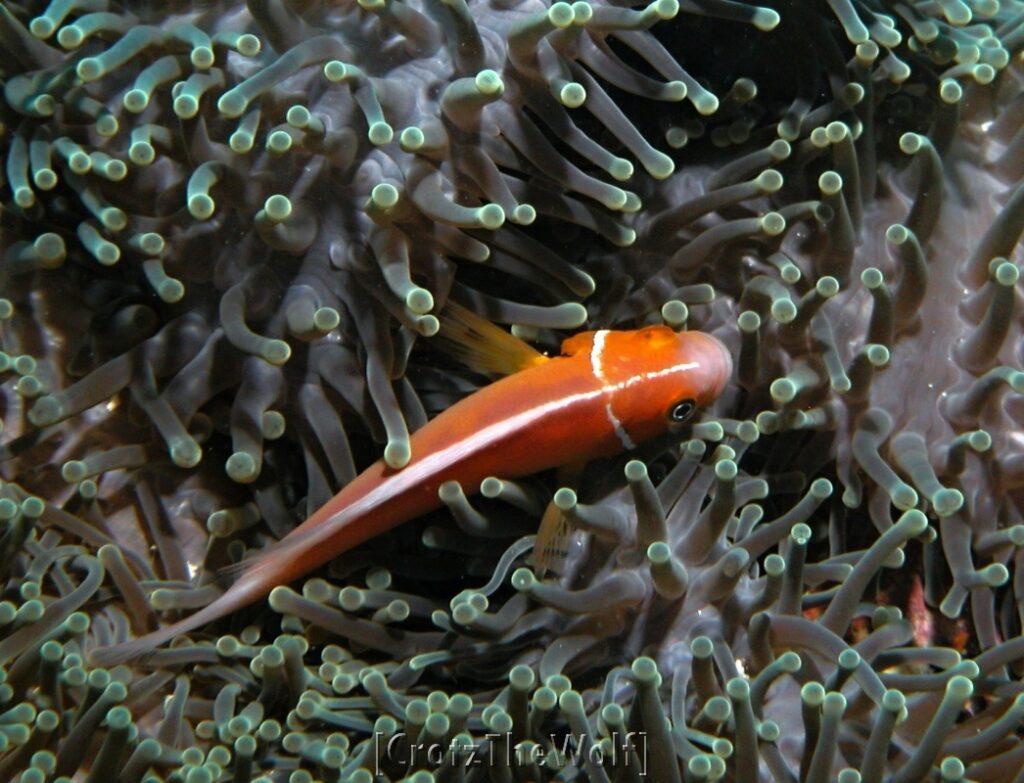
{"x": 228, "y": 229}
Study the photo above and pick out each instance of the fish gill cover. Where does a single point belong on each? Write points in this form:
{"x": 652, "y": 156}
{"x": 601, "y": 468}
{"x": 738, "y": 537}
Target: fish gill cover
{"x": 227, "y": 230}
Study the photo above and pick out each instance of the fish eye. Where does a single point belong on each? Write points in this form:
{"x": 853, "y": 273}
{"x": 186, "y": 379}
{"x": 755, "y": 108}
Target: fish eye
{"x": 682, "y": 411}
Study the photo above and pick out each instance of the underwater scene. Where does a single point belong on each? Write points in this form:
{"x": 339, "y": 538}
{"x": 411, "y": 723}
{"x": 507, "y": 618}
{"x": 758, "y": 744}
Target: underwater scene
{"x": 511, "y": 391}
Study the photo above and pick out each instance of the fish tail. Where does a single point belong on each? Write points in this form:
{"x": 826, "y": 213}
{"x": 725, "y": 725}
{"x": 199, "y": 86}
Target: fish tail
{"x": 236, "y": 597}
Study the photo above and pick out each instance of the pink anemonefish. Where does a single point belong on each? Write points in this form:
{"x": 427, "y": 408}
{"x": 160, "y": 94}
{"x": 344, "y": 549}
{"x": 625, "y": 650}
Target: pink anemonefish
{"x": 607, "y": 392}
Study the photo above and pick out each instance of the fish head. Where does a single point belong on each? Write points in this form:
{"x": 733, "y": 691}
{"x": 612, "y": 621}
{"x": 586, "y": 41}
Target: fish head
{"x": 658, "y": 378}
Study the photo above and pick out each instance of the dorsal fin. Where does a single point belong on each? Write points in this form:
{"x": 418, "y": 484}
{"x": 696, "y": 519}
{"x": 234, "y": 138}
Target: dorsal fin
{"x": 482, "y": 346}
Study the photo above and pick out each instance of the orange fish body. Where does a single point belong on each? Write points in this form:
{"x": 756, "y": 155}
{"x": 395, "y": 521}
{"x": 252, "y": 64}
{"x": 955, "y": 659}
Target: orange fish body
{"x": 609, "y": 391}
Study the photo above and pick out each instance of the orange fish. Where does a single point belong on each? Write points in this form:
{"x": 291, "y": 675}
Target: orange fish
{"x": 606, "y": 393}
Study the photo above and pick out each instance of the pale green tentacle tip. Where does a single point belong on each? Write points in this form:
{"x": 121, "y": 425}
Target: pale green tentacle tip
{"x": 773, "y": 224}
{"x": 278, "y": 208}
{"x": 675, "y": 91}
{"x": 24, "y": 197}
{"x": 42, "y": 27}
{"x": 897, "y": 234}
{"x": 950, "y": 92}
{"x": 232, "y": 105}
{"x": 1003, "y": 272}
{"x": 380, "y": 133}
{"x": 645, "y": 669}
{"x": 830, "y": 183}
{"x": 706, "y": 104}
{"x": 51, "y": 249}
{"x": 428, "y": 325}
{"x": 765, "y": 19}
{"x": 398, "y": 453}
{"x": 491, "y": 216}
{"x": 979, "y": 440}
{"x": 621, "y": 169}
{"x": 726, "y": 470}
{"x": 738, "y": 689}
{"x": 420, "y": 301}
{"x": 665, "y": 9}
{"x": 616, "y": 198}
{"x": 278, "y": 598}
{"x": 836, "y": 131}
{"x": 904, "y": 497}
{"x": 952, "y": 769}
{"x": 626, "y": 238}
{"x": 959, "y": 687}
{"x": 561, "y": 15}
{"x": 749, "y": 321}
{"x": 170, "y": 290}
{"x": 248, "y": 45}
{"x": 635, "y": 470}
{"x": 335, "y": 70}
{"x": 185, "y": 106}
{"x": 768, "y": 731}
{"x": 241, "y": 467}
{"x": 801, "y": 533}
{"x": 141, "y": 153}
{"x": 834, "y": 703}
{"x": 90, "y": 69}
{"x": 45, "y": 179}
{"x": 523, "y": 579}
{"x": 872, "y": 277}
{"x": 767, "y": 422}
{"x": 73, "y": 471}
{"x": 565, "y": 499}
{"x": 572, "y": 314}
{"x": 572, "y": 95}
{"x": 489, "y": 82}
{"x": 279, "y": 142}
{"x": 783, "y": 390}
{"x": 523, "y": 215}
{"x": 46, "y": 410}
{"x": 659, "y": 553}
{"x": 783, "y": 310}
{"x": 947, "y": 502}
{"x": 582, "y": 12}
{"x": 385, "y": 195}
{"x": 675, "y": 313}
{"x": 994, "y": 575}
{"x": 812, "y": 694}
{"x": 277, "y": 352}
{"x": 185, "y": 453}
{"x": 326, "y": 319}
{"x": 769, "y": 181}
{"x": 912, "y": 143}
{"x": 201, "y": 206}
{"x": 708, "y": 430}
{"x": 660, "y": 166}
{"x": 411, "y": 139}
{"x": 821, "y": 488}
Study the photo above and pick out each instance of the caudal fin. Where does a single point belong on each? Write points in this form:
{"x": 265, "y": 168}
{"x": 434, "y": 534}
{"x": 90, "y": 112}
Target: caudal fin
{"x": 140, "y": 648}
